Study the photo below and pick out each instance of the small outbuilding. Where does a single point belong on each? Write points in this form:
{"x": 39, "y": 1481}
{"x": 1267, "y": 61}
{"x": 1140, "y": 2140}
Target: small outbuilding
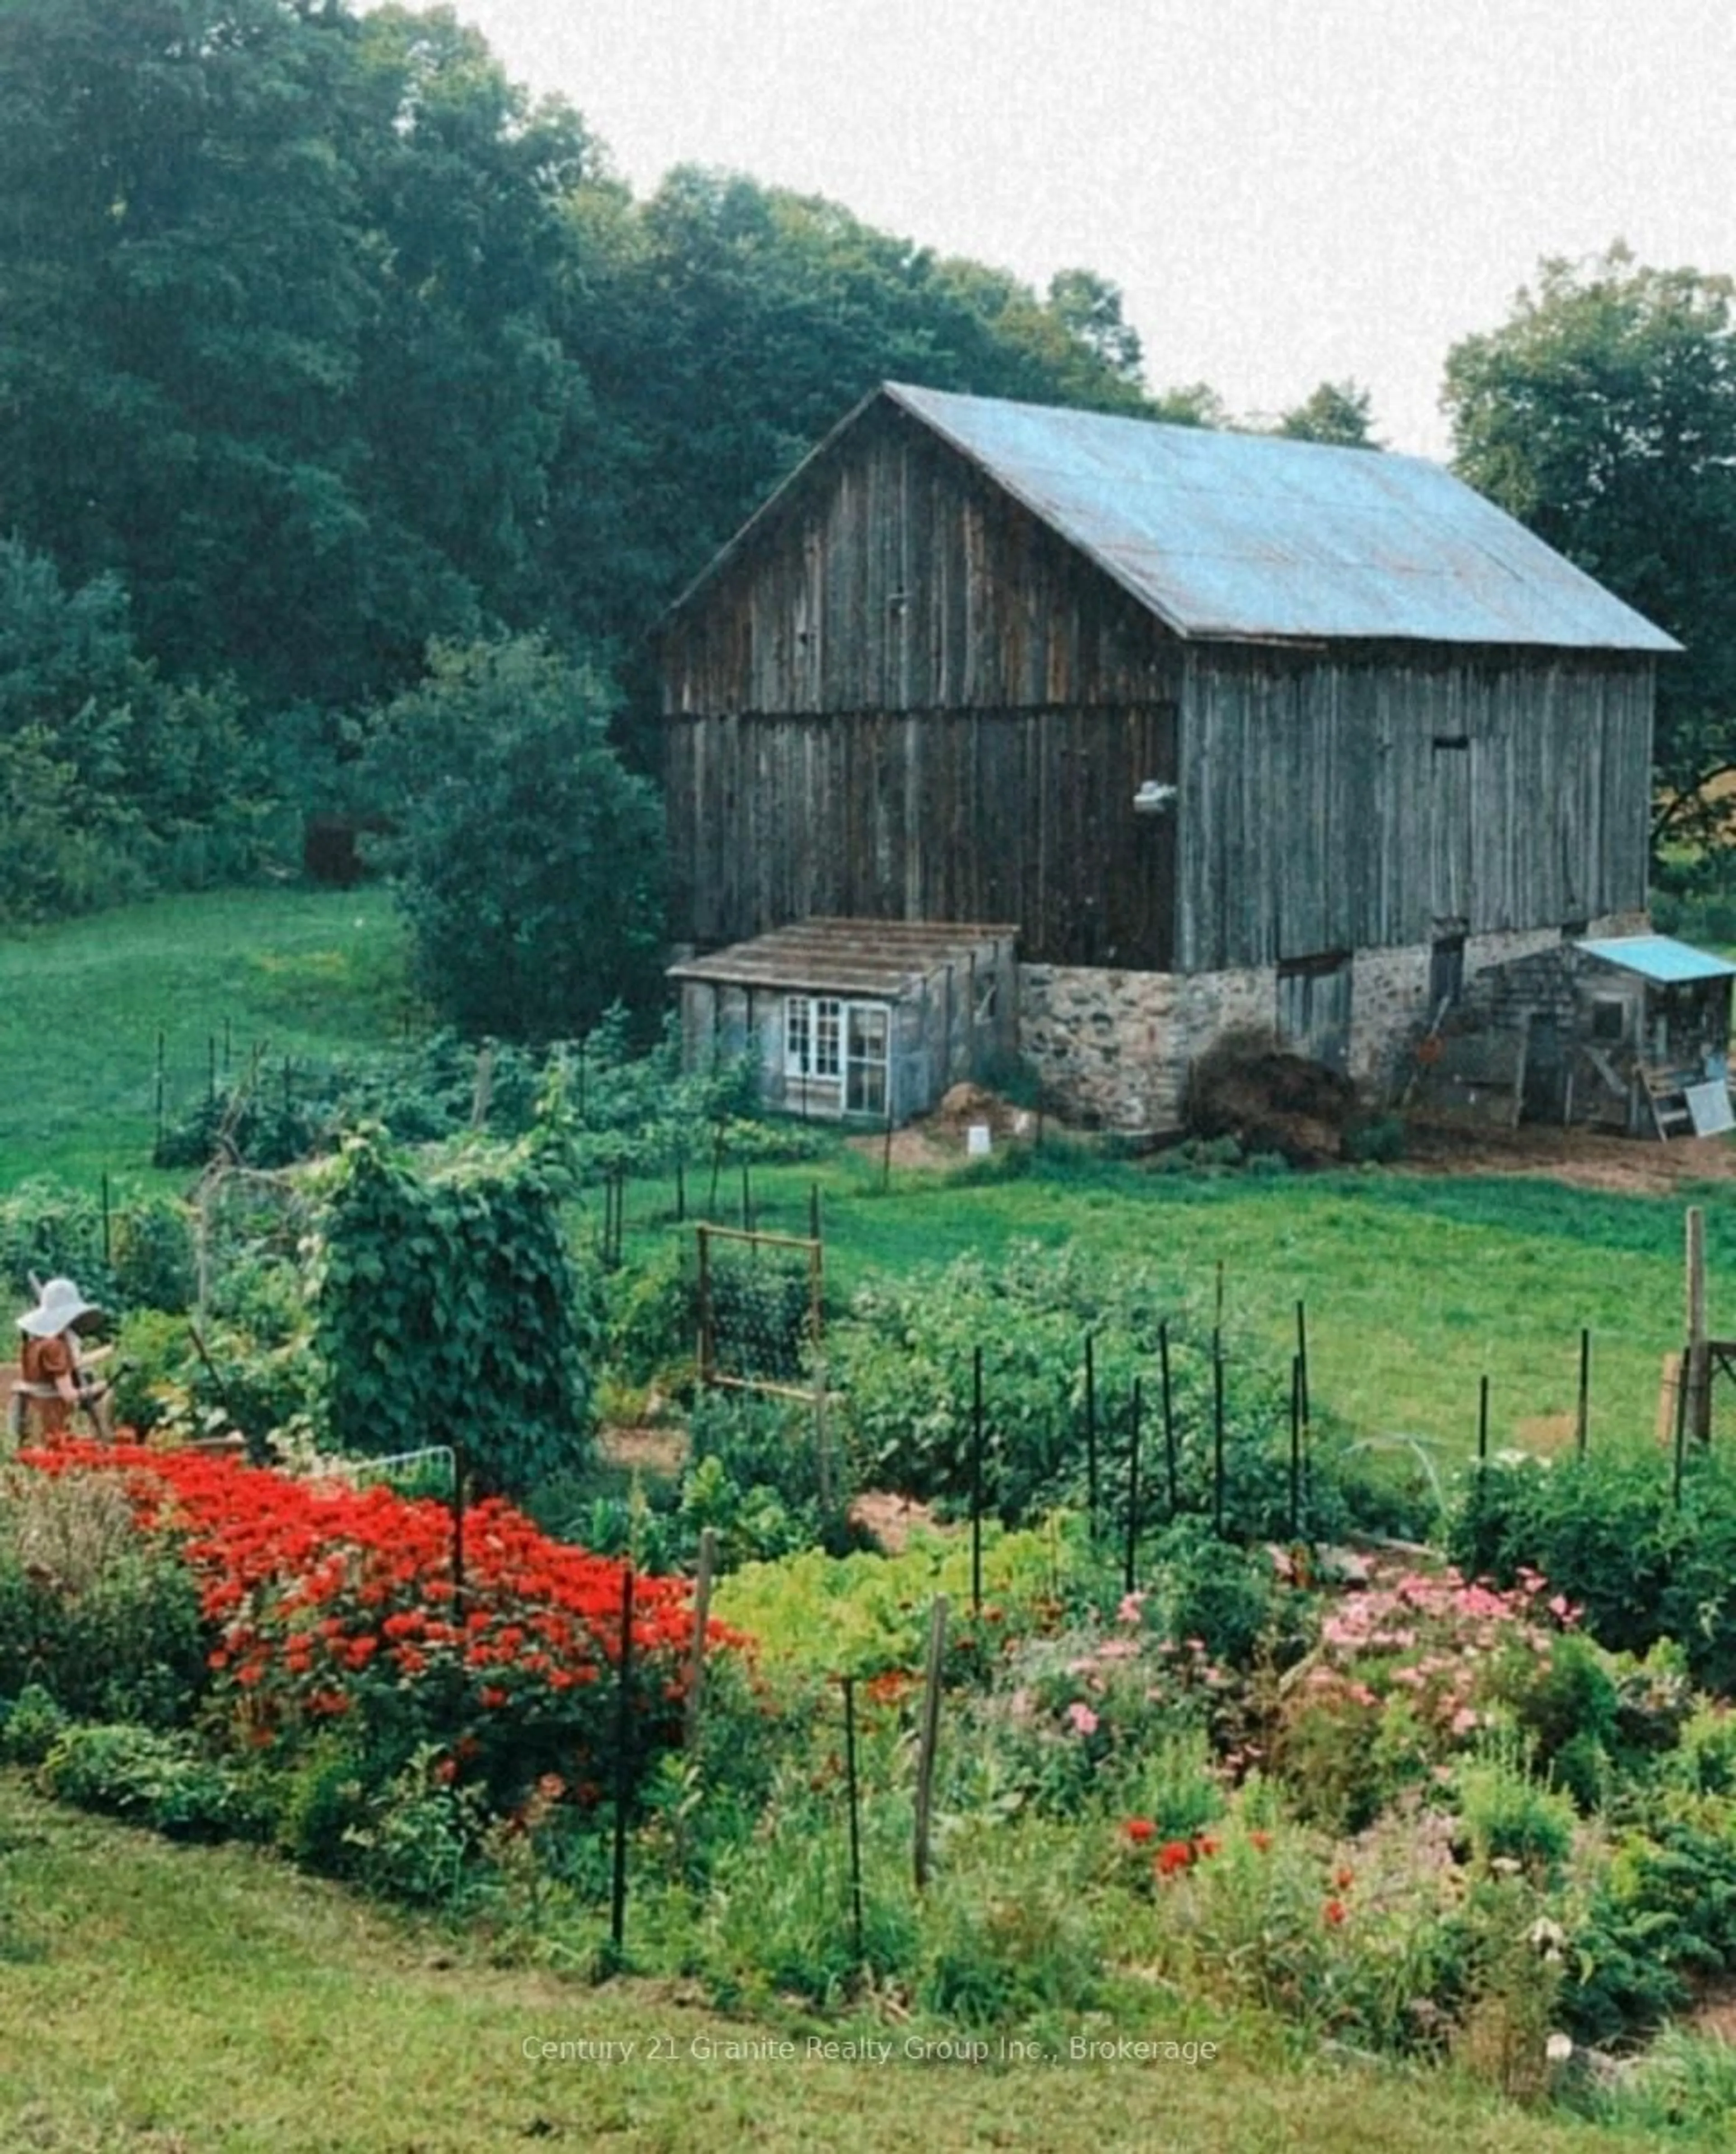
{"x": 856, "y": 1019}
{"x": 1627, "y": 1031}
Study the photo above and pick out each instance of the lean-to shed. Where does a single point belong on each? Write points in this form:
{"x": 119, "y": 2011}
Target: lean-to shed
{"x": 1237, "y": 732}
{"x": 851, "y": 1018}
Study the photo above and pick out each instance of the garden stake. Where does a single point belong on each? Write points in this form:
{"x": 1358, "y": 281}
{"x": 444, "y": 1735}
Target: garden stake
{"x": 1091, "y": 1409}
{"x": 747, "y": 1201}
{"x": 1483, "y": 1421}
{"x": 1302, "y": 1356}
{"x": 696, "y": 1650}
{"x": 458, "y": 1533}
{"x": 623, "y": 1770}
{"x": 855, "y": 1828}
{"x": 716, "y": 1169}
{"x": 1295, "y": 1446}
{"x": 1584, "y": 1428}
{"x": 106, "y": 1215}
{"x": 1217, "y": 1435}
{"x": 681, "y": 1193}
{"x": 1682, "y": 1380}
{"x": 814, "y": 1211}
{"x": 977, "y": 1481}
{"x": 1131, "y": 1568}
{"x": 1169, "y": 1416}
{"x": 225, "y": 1047}
{"x": 928, "y": 1737}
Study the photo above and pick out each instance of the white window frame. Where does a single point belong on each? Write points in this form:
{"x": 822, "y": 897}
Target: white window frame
{"x": 821, "y": 1045}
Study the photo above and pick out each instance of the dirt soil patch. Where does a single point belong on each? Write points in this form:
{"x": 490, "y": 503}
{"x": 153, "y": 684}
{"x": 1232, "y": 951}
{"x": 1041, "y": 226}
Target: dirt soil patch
{"x": 1584, "y": 1159}
{"x": 662, "y": 1451}
{"x": 890, "y": 1519}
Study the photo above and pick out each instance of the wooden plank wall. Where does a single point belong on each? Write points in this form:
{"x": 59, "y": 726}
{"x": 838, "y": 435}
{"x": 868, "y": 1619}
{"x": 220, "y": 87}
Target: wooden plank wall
{"x": 1023, "y": 816}
{"x": 897, "y": 579}
{"x": 1320, "y": 813}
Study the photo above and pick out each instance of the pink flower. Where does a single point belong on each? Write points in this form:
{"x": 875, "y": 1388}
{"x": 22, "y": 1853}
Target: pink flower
{"x": 1084, "y": 1721}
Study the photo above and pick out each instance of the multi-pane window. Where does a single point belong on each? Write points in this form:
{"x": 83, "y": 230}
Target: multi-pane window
{"x": 813, "y": 1033}
{"x": 827, "y": 1038}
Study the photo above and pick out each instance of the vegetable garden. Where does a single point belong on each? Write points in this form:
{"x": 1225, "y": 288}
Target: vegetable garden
{"x": 1182, "y": 1700}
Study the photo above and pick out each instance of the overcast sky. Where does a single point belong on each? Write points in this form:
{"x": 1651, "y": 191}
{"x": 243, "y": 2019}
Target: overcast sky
{"x": 1286, "y": 190}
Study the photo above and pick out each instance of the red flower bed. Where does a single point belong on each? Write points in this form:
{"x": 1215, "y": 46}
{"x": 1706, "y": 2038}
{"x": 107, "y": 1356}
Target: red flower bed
{"x": 331, "y": 1603}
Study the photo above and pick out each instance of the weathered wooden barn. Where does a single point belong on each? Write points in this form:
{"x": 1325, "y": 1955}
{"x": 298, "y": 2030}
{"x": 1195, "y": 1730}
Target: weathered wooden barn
{"x": 1238, "y": 732}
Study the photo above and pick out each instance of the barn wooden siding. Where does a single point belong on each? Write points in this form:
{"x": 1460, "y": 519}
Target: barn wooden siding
{"x": 1364, "y": 797}
{"x": 1023, "y": 815}
{"x": 894, "y": 577}
{"x": 910, "y": 700}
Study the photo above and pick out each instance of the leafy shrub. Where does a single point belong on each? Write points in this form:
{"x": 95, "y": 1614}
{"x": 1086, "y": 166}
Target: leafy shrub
{"x": 30, "y": 1726}
{"x": 446, "y": 1298}
{"x": 650, "y": 1318}
{"x": 1660, "y": 1917}
{"x": 143, "y": 1775}
{"x": 1608, "y": 1534}
{"x": 1374, "y": 1139}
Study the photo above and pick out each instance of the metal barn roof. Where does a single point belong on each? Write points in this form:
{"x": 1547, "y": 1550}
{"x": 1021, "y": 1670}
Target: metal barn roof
{"x": 1247, "y": 536}
{"x": 1660, "y": 957}
{"x": 881, "y": 958}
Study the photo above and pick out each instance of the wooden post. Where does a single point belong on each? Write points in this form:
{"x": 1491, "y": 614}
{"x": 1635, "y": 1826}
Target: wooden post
{"x": 696, "y": 1649}
{"x": 928, "y": 1738}
{"x": 482, "y": 1094}
{"x": 1697, "y": 1370}
{"x": 1681, "y": 1445}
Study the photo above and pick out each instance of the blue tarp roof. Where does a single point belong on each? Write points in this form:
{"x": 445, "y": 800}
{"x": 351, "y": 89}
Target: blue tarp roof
{"x": 1660, "y": 957}
{"x": 1225, "y": 534}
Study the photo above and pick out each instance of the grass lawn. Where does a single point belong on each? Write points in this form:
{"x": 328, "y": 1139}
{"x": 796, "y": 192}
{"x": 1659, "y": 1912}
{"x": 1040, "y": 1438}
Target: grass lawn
{"x": 188, "y": 1999}
{"x": 295, "y": 972}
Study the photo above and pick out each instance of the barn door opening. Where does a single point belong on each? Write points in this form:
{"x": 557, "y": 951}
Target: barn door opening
{"x": 1449, "y": 827}
{"x": 1313, "y": 1007}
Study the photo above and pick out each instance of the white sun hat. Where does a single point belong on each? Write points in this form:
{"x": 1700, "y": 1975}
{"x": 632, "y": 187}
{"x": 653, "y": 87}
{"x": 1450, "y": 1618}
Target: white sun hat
{"x": 61, "y": 1305}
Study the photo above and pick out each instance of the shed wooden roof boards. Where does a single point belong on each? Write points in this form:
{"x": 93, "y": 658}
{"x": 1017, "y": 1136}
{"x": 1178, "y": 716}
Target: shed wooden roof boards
{"x": 879, "y": 958}
{"x": 1249, "y": 537}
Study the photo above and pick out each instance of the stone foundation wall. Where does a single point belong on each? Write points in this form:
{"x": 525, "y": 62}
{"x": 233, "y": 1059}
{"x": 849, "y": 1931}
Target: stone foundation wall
{"x": 1114, "y": 1049}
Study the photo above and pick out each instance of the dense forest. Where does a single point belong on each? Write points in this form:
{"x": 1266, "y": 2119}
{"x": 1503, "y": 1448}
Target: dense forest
{"x": 324, "y": 349}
